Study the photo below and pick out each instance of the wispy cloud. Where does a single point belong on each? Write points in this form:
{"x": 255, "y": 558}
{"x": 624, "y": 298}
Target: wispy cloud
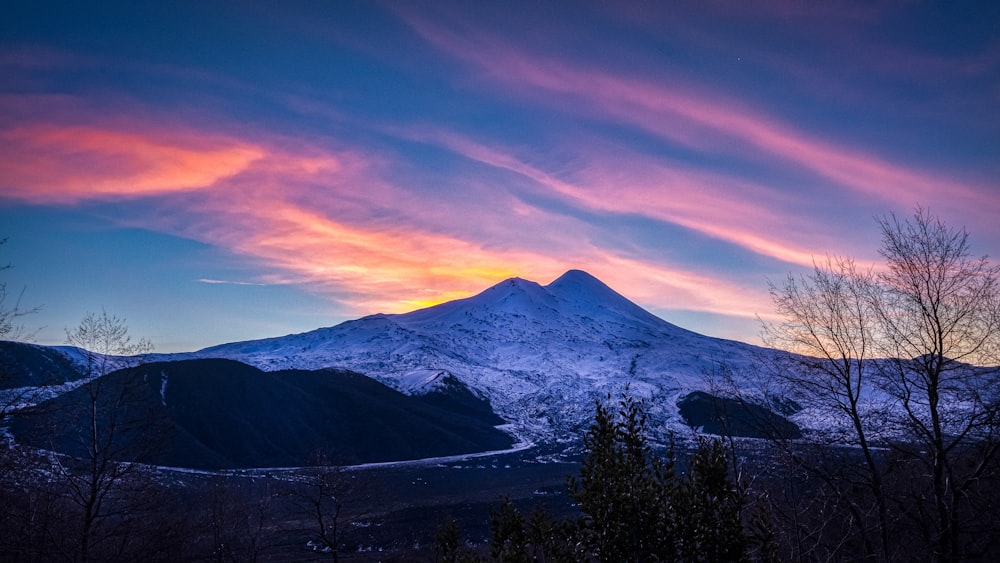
{"x": 229, "y": 282}
{"x": 607, "y": 179}
{"x": 715, "y": 124}
{"x": 330, "y": 218}
{"x": 51, "y": 163}
{"x": 313, "y": 214}
{"x": 422, "y": 152}
{"x": 658, "y": 285}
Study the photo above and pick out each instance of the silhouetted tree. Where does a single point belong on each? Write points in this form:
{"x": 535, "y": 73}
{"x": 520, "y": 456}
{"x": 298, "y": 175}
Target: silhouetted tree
{"x": 509, "y": 539}
{"x": 11, "y": 313}
{"x": 902, "y": 357}
{"x": 552, "y": 540}
{"x": 11, "y": 310}
{"x": 623, "y": 490}
{"x": 938, "y": 314}
{"x": 99, "y": 482}
{"x": 323, "y": 492}
{"x": 829, "y": 324}
{"x": 449, "y": 544}
{"x": 708, "y": 508}
{"x": 638, "y": 508}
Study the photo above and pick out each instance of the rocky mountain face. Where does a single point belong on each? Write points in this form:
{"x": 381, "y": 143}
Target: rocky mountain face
{"x": 28, "y": 365}
{"x": 541, "y": 355}
{"x": 531, "y": 359}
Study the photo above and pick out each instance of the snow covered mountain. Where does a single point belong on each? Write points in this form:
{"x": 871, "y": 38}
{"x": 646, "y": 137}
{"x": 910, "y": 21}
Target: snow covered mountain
{"x": 540, "y": 354}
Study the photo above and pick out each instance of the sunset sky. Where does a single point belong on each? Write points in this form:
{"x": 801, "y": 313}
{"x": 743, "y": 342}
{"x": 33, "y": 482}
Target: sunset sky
{"x": 222, "y": 171}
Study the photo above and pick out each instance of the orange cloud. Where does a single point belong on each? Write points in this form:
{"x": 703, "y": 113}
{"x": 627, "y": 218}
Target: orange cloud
{"x": 303, "y": 209}
{"x": 380, "y": 269}
{"x": 326, "y": 217}
{"x": 397, "y": 269}
{"x": 61, "y": 164}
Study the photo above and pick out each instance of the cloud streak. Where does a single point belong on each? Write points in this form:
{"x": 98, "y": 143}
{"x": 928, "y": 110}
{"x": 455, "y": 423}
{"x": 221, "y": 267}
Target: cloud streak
{"x": 48, "y": 163}
{"x": 682, "y": 155}
{"x": 228, "y": 282}
{"x": 716, "y": 205}
{"x": 303, "y": 209}
{"x": 696, "y": 118}
{"x": 311, "y": 213}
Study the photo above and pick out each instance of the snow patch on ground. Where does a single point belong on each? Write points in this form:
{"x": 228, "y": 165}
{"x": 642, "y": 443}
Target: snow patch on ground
{"x": 420, "y": 381}
{"x": 163, "y": 387}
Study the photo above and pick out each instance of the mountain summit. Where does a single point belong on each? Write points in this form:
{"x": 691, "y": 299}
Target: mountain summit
{"x": 540, "y": 354}
{"x": 587, "y": 294}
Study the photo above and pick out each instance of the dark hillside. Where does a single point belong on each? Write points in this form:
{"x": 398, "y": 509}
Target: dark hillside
{"x": 214, "y": 414}
{"x": 453, "y": 396}
{"x": 28, "y": 365}
{"x": 724, "y": 416}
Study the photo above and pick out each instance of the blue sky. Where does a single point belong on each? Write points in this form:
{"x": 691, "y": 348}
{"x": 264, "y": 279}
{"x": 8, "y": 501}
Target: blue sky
{"x": 221, "y": 171}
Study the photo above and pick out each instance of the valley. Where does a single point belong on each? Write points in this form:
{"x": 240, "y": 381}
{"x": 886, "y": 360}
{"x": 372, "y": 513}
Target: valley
{"x": 374, "y": 434}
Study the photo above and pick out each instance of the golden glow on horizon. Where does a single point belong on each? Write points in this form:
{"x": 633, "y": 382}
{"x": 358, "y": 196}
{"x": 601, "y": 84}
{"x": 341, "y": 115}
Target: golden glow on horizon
{"x": 379, "y": 267}
{"x": 306, "y": 212}
{"x": 439, "y": 297}
{"x": 269, "y": 207}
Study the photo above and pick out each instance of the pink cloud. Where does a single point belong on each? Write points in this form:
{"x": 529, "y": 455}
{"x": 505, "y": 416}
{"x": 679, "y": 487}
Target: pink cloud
{"x": 720, "y": 206}
{"x": 328, "y": 216}
{"x": 671, "y": 288}
{"x": 374, "y": 266}
{"x": 397, "y": 270}
{"x": 311, "y": 211}
{"x": 51, "y": 163}
{"x": 704, "y": 120}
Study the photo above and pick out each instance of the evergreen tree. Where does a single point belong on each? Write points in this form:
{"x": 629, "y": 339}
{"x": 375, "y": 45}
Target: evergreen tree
{"x": 624, "y": 490}
{"x": 637, "y": 508}
{"x": 711, "y": 529}
{"x": 509, "y": 538}
{"x": 449, "y": 544}
{"x": 551, "y": 540}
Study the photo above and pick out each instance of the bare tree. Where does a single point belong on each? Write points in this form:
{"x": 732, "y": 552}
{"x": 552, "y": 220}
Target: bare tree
{"x": 829, "y": 326}
{"x": 11, "y": 311}
{"x": 98, "y": 480}
{"x": 23, "y": 514}
{"x": 323, "y": 492}
{"x": 938, "y": 313}
{"x": 902, "y": 364}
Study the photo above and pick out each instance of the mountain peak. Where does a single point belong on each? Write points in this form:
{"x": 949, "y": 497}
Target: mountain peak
{"x": 511, "y": 295}
{"x": 512, "y": 292}
{"x": 539, "y": 354}
{"x": 577, "y": 285}
{"x": 578, "y": 278}
{"x": 586, "y": 293}
{"x": 574, "y": 293}
{"x": 515, "y": 282}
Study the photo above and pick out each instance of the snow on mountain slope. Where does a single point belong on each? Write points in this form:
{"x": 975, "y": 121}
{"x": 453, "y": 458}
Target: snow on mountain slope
{"x": 540, "y": 354}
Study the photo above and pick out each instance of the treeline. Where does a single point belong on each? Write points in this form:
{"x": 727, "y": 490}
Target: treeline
{"x": 635, "y": 504}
